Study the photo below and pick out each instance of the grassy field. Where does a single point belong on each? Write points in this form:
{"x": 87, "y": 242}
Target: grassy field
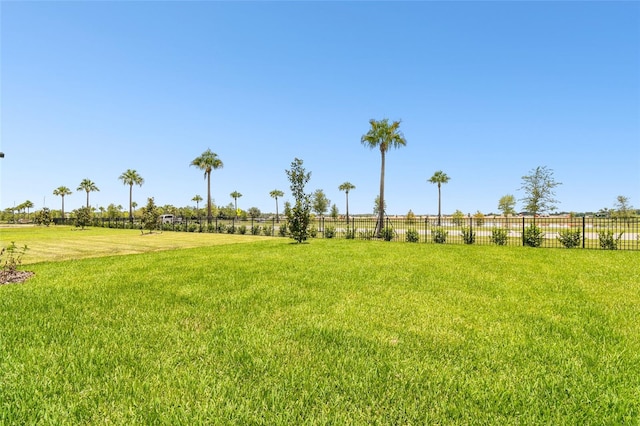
{"x": 208, "y": 330}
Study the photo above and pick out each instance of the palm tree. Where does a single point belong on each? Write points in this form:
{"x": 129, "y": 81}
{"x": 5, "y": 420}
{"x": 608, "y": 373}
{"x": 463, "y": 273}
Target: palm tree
{"x": 88, "y": 186}
{"x": 235, "y": 195}
{"x": 197, "y": 199}
{"x": 383, "y": 135}
{"x": 275, "y": 194}
{"x": 131, "y": 177}
{"x": 439, "y": 177}
{"x": 208, "y": 161}
{"x": 346, "y": 187}
{"x": 27, "y": 205}
{"x": 62, "y": 191}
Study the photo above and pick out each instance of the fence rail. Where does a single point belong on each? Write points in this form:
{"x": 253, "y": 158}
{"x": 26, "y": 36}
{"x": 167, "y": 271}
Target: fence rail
{"x": 560, "y": 232}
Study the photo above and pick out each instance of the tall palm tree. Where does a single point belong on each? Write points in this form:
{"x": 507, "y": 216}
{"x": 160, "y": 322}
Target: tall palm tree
{"x": 131, "y": 177}
{"x": 62, "y": 191}
{"x": 235, "y": 195}
{"x": 27, "y": 205}
{"x": 383, "y": 136}
{"x": 346, "y": 187}
{"x": 197, "y": 199}
{"x": 208, "y": 161}
{"x": 439, "y": 177}
{"x": 275, "y": 194}
{"x": 88, "y": 186}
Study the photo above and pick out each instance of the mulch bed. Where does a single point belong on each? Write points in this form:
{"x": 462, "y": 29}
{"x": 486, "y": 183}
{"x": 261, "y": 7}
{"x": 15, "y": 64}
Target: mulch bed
{"x": 11, "y": 277}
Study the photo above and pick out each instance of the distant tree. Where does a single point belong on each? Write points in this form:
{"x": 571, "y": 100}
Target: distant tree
{"x": 507, "y": 205}
{"x": 276, "y": 193}
{"x": 320, "y": 203}
{"x": 150, "y": 215}
{"x": 383, "y": 136}
{"x": 134, "y": 205}
{"x": 334, "y": 211}
{"x": 61, "y": 191}
{"x": 235, "y": 195}
{"x": 457, "y": 217}
{"x": 411, "y": 216}
{"x": 88, "y": 186}
{"x": 538, "y": 187}
{"x": 42, "y": 217}
{"x": 82, "y": 217}
{"x": 131, "y": 177}
{"x": 112, "y": 211}
{"x": 346, "y": 187}
{"x": 254, "y": 212}
{"x": 376, "y": 207}
{"x": 624, "y": 209}
{"x": 197, "y": 199}
{"x": 299, "y": 215}
{"x": 479, "y": 218}
{"x": 27, "y": 205}
{"x": 208, "y": 161}
{"x": 439, "y": 178}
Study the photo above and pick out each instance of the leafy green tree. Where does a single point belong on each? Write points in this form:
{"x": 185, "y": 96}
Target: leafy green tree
{"x": 320, "y": 203}
{"x": 254, "y": 212}
{"x": 346, "y": 187}
{"x": 235, "y": 195}
{"x": 62, "y": 191}
{"x": 411, "y": 216}
{"x": 299, "y": 215}
{"x": 82, "y": 217}
{"x": 112, "y": 211}
{"x": 457, "y": 218}
{"x": 88, "y": 186}
{"x": 383, "y": 136}
{"x": 208, "y": 161}
{"x": 131, "y": 177}
{"x": 150, "y": 215}
{"x": 376, "y": 207}
{"x": 479, "y": 218}
{"x": 507, "y": 205}
{"x": 624, "y": 210}
{"x": 334, "y": 211}
{"x": 538, "y": 187}
{"x": 43, "y": 217}
{"x": 276, "y": 193}
{"x": 439, "y": 178}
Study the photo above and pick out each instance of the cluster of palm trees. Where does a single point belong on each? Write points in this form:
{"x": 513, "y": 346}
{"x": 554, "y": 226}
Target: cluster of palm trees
{"x": 22, "y": 207}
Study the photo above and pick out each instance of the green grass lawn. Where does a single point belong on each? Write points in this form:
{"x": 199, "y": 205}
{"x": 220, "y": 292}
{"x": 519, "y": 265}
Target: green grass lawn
{"x": 331, "y": 332}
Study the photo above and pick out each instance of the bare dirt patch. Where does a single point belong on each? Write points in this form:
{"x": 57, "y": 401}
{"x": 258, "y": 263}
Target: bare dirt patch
{"x": 13, "y": 277}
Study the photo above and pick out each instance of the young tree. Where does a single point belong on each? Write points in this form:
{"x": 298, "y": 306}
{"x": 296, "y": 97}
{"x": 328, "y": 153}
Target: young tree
{"x": 334, "y": 211}
{"x": 507, "y": 205}
{"x": 457, "y": 217}
{"x": 383, "y": 136}
{"x": 150, "y": 215}
{"x": 276, "y": 193}
{"x": 376, "y": 207}
{"x": 299, "y": 215}
{"x": 254, "y": 212}
{"x": 88, "y": 186}
{"x": 439, "y": 178}
{"x": 197, "y": 199}
{"x": 538, "y": 187}
{"x": 624, "y": 210}
{"x": 131, "y": 177}
{"x": 235, "y": 195}
{"x": 82, "y": 217}
{"x": 62, "y": 191}
{"x": 42, "y": 217}
{"x": 320, "y": 203}
{"x": 208, "y": 161}
{"x": 346, "y": 187}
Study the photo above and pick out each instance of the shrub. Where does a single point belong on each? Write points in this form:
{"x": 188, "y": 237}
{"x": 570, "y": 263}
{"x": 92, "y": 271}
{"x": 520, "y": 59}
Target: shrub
{"x": 266, "y": 231}
{"x": 608, "y": 241}
{"x": 211, "y": 228}
{"x": 193, "y": 227}
{"x": 412, "y": 236}
{"x": 242, "y": 229}
{"x": 570, "y": 238}
{"x": 221, "y": 228}
{"x": 366, "y": 235}
{"x": 439, "y": 236}
{"x": 533, "y": 236}
{"x": 231, "y": 229}
{"x": 283, "y": 231}
{"x": 255, "y": 230}
{"x": 468, "y": 235}
{"x": 350, "y": 234}
{"x": 329, "y": 232}
{"x": 387, "y": 233}
{"x": 312, "y": 232}
{"x": 12, "y": 257}
{"x": 499, "y": 236}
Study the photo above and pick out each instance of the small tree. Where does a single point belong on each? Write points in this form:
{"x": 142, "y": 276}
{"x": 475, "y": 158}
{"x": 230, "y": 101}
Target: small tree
{"x": 457, "y": 217}
{"x": 507, "y": 205}
{"x": 334, "y": 211}
{"x": 254, "y": 212}
{"x": 479, "y": 218}
{"x": 299, "y": 215}
{"x": 538, "y": 187}
{"x": 624, "y": 210}
{"x": 43, "y": 217}
{"x": 376, "y": 206}
{"x": 411, "y": 217}
{"x": 150, "y": 215}
{"x": 82, "y": 217}
{"x": 320, "y": 203}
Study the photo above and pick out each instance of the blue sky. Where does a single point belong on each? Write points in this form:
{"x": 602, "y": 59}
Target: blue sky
{"x": 486, "y": 91}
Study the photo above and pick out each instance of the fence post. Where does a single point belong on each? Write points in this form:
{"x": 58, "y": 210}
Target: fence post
{"x": 584, "y": 234}
{"x": 523, "y": 244}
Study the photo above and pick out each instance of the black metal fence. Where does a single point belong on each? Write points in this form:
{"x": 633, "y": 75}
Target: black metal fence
{"x": 560, "y": 232}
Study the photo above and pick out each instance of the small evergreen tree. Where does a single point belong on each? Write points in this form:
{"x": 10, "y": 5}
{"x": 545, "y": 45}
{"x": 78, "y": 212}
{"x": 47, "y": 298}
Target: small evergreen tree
{"x": 150, "y": 215}
{"x": 82, "y": 217}
{"x": 299, "y": 216}
{"x": 334, "y": 211}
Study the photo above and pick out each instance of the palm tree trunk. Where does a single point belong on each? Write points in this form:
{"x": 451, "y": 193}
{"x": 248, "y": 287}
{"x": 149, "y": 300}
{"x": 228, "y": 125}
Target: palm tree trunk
{"x": 277, "y": 217}
{"x": 63, "y": 209}
{"x": 209, "y": 198}
{"x": 87, "y": 199}
{"x": 347, "y": 208}
{"x": 439, "y": 214}
{"x": 378, "y": 230}
{"x": 130, "y": 201}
